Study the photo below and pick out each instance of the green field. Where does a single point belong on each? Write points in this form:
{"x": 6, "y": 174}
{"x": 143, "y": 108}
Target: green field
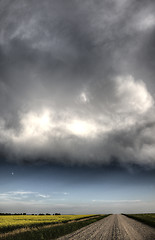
{"x": 147, "y": 218}
{"x": 22, "y": 227}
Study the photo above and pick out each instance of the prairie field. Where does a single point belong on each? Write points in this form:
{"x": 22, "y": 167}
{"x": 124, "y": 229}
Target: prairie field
{"x": 147, "y": 218}
{"x": 12, "y": 222}
{"x": 35, "y": 227}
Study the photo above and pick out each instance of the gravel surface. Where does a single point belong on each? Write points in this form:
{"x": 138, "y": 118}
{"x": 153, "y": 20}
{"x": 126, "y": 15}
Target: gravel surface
{"x": 114, "y": 227}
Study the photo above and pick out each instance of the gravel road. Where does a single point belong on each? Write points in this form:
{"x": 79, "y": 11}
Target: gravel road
{"x": 114, "y": 227}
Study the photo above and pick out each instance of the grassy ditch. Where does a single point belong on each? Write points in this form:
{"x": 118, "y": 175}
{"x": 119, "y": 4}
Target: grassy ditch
{"x": 147, "y": 218}
{"x": 52, "y": 232}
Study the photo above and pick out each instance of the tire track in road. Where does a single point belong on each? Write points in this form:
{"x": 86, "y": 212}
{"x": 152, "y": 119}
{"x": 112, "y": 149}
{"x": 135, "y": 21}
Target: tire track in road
{"x": 114, "y": 227}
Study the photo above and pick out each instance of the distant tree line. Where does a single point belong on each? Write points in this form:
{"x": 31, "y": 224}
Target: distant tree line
{"x": 40, "y": 214}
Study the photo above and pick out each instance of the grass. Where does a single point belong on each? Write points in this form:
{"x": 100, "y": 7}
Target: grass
{"x": 147, "y": 218}
{"x": 53, "y": 232}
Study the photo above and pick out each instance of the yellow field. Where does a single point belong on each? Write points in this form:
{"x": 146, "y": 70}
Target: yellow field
{"x": 28, "y": 220}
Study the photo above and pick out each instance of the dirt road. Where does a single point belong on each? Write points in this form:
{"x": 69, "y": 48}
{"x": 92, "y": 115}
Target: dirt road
{"x": 114, "y": 227}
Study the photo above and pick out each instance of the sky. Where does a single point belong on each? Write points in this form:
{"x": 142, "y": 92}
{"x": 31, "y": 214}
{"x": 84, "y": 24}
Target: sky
{"x": 77, "y": 110}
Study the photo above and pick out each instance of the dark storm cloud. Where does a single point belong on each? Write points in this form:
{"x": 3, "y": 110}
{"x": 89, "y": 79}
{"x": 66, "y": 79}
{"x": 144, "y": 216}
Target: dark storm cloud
{"x": 77, "y": 81}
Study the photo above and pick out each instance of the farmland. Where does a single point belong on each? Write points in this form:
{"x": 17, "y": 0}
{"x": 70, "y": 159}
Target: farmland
{"x": 75, "y": 227}
{"x": 147, "y": 218}
{"x": 13, "y": 222}
{"x": 42, "y": 227}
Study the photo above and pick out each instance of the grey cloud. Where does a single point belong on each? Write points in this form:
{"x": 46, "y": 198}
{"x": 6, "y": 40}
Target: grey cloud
{"x": 60, "y": 97}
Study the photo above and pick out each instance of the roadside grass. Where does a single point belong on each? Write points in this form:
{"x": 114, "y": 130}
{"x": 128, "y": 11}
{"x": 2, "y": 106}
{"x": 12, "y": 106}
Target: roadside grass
{"x": 147, "y": 218}
{"x": 52, "y": 232}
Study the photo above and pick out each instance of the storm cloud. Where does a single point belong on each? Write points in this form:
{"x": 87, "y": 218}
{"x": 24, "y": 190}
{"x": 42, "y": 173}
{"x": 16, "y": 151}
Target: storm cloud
{"x": 77, "y": 81}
